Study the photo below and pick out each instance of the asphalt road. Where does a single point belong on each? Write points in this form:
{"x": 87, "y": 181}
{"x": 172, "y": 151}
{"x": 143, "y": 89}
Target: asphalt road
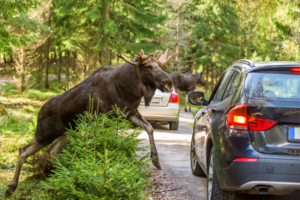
{"x": 174, "y": 151}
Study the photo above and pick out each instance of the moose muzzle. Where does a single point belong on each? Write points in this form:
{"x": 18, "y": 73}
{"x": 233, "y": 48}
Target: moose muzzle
{"x": 167, "y": 85}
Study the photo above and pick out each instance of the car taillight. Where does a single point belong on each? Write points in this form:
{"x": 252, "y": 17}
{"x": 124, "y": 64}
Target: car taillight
{"x": 246, "y": 159}
{"x": 174, "y": 98}
{"x": 295, "y": 70}
{"x": 238, "y": 119}
{"x": 258, "y": 124}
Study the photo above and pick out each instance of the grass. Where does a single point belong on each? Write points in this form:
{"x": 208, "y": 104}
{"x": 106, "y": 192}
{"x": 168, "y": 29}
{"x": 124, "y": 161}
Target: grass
{"x": 17, "y": 129}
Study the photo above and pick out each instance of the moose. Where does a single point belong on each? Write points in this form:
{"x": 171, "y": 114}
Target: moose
{"x": 187, "y": 82}
{"x": 123, "y": 86}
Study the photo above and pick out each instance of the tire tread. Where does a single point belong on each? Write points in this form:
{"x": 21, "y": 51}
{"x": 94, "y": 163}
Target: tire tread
{"x": 217, "y": 193}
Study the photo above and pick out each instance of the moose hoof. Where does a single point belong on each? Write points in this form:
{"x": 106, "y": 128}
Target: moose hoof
{"x": 156, "y": 164}
{"x": 9, "y": 192}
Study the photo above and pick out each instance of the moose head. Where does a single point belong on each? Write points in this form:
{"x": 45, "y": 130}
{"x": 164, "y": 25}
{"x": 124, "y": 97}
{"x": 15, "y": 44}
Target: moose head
{"x": 150, "y": 72}
{"x": 200, "y": 78}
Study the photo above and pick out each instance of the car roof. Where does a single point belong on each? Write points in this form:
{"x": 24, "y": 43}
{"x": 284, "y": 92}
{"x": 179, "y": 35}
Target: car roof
{"x": 261, "y": 65}
{"x": 276, "y": 63}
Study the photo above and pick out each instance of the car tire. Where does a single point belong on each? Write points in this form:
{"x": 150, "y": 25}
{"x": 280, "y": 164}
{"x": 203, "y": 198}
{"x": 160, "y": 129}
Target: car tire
{"x": 174, "y": 125}
{"x": 195, "y": 167}
{"x": 213, "y": 189}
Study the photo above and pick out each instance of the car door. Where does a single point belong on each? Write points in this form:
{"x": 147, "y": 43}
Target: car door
{"x": 215, "y": 110}
{"x": 202, "y": 125}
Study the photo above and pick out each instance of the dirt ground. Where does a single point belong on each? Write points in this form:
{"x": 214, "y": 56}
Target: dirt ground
{"x": 175, "y": 180}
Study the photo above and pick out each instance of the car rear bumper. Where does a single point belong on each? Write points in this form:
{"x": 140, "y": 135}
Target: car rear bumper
{"x": 279, "y": 176}
{"x": 168, "y": 113}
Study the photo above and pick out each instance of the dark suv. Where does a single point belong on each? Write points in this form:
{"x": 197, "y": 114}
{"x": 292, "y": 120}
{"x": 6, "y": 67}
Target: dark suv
{"x": 247, "y": 136}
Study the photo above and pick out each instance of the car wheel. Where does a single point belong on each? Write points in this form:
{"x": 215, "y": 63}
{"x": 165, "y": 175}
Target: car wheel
{"x": 196, "y": 169}
{"x": 213, "y": 189}
{"x": 174, "y": 125}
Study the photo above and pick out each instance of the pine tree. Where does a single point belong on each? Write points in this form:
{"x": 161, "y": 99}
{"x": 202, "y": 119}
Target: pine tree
{"x": 178, "y": 35}
{"x": 106, "y": 26}
{"x": 13, "y": 16}
{"x": 217, "y": 27}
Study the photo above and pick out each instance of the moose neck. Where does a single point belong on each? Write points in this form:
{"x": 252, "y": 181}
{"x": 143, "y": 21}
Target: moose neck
{"x": 196, "y": 78}
{"x": 129, "y": 80}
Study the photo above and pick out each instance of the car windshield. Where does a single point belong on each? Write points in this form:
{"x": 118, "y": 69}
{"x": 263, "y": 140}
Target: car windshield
{"x": 273, "y": 86}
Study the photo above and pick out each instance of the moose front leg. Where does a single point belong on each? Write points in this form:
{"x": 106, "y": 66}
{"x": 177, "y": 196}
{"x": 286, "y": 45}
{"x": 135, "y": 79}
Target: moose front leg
{"x": 186, "y": 101}
{"x": 139, "y": 121}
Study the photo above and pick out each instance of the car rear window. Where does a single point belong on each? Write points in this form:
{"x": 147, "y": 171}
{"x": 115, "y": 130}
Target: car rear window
{"x": 273, "y": 86}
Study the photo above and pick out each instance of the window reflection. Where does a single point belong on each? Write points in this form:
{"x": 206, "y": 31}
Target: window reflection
{"x": 273, "y": 86}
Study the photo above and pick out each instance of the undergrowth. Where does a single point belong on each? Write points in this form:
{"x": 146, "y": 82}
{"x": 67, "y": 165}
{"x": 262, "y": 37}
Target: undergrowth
{"x": 100, "y": 162}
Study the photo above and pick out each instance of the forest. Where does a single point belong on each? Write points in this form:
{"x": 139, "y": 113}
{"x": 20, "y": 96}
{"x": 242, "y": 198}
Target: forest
{"x": 49, "y": 46}
{"x": 42, "y": 40}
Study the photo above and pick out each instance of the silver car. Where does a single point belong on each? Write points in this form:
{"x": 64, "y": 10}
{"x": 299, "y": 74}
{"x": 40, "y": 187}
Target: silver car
{"x": 163, "y": 109}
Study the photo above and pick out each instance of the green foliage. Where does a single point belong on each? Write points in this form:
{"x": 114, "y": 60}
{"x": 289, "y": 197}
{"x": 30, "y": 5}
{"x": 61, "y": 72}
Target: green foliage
{"x": 111, "y": 24}
{"x": 99, "y": 162}
{"x": 16, "y": 27}
{"x": 217, "y": 29}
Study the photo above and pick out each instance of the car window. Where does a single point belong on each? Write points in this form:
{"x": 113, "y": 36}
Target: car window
{"x": 273, "y": 86}
{"x": 213, "y": 94}
{"x": 232, "y": 86}
{"x": 223, "y": 86}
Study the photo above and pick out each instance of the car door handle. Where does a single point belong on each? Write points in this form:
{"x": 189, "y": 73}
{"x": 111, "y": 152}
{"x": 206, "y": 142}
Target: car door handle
{"x": 213, "y": 110}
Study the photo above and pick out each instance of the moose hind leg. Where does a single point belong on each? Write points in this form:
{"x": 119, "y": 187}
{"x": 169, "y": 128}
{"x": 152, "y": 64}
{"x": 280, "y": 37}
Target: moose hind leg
{"x": 186, "y": 101}
{"x": 57, "y": 146}
{"x": 139, "y": 121}
{"x": 24, "y": 152}
{"x": 190, "y": 106}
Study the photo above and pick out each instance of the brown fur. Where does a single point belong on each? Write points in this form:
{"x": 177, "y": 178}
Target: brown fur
{"x": 123, "y": 86}
{"x": 187, "y": 82}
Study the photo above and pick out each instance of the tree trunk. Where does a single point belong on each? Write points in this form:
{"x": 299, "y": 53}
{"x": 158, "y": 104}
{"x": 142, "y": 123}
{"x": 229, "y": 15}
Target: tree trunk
{"x": 39, "y": 68}
{"x": 246, "y": 30}
{"x": 5, "y": 61}
{"x": 110, "y": 57}
{"x": 11, "y": 59}
{"x": 67, "y": 71}
{"x": 177, "y": 37}
{"x": 100, "y": 58}
{"x": 23, "y": 57}
{"x": 206, "y": 76}
{"x": 59, "y": 66}
{"x": 103, "y": 54}
{"x": 74, "y": 62}
{"x": 47, "y": 63}
{"x": 213, "y": 75}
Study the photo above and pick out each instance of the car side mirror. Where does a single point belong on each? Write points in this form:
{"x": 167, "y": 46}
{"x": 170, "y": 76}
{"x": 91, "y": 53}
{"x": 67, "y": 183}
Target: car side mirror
{"x": 196, "y": 98}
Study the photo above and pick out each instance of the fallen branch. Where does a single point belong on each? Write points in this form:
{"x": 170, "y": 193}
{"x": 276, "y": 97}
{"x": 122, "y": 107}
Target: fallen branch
{"x": 168, "y": 190}
{"x": 2, "y": 110}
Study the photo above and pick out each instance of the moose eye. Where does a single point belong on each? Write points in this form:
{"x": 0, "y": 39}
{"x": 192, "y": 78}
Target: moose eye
{"x": 147, "y": 67}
